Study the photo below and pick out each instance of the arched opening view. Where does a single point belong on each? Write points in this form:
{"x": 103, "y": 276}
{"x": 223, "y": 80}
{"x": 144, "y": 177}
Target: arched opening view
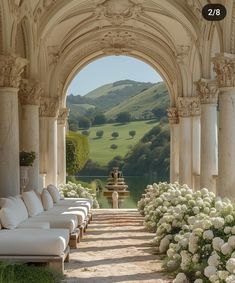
{"x": 118, "y": 109}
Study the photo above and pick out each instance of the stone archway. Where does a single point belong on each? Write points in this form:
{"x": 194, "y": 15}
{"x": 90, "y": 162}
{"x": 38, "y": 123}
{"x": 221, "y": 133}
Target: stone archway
{"x": 169, "y": 35}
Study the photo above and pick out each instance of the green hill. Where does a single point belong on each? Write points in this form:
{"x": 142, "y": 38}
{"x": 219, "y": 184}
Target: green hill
{"x": 140, "y": 104}
{"x": 137, "y": 98}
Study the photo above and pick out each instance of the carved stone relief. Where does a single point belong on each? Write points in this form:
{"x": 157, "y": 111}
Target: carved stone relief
{"x": 30, "y": 92}
{"x": 189, "y": 106}
{"x": 118, "y": 42}
{"x": 11, "y": 68}
{"x": 172, "y": 113}
{"x": 207, "y": 91}
{"x": 224, "y": 66}
{"x": 63, "y": 116}
{"x": 49, "y": 106}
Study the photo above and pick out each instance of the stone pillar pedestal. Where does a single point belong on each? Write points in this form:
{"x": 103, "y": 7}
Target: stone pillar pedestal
{"x": 208, "y": 92}
{"x": 224, "y": 66}
{"x": 174, "y": 146}
{"x": 10, "y": 73}
{"x": 29, "y": 137}
{"x": 187, "y": 107}
{"x": 61, "y": 146}
{"x": 48, "y": 139}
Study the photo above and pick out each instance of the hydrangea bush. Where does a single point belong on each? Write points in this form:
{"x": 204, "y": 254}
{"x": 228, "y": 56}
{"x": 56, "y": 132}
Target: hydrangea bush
{"x": 194, "y": 229}
{"x": 72, "y": 190}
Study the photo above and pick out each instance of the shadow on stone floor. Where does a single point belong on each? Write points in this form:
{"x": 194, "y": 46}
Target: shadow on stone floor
{"x": 138, "y": 277}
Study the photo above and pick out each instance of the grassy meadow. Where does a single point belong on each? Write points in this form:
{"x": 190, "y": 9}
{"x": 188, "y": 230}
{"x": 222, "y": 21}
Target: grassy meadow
{"x": 100, "y": 150}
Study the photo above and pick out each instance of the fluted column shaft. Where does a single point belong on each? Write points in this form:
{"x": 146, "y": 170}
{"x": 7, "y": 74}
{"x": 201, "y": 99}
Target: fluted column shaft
{"x": 208, "y": 92}
{"x": 224, "y": 66}
{"x": 174, "y": 145}
{"x": 61, "y": 152}
{"x": 48, "y": 139}
{"x": 29, "y": 94}
{"x": 188, "y": 107}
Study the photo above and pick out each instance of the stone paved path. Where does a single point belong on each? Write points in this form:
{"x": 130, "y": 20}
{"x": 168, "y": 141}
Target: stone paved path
{"x": 115, "y": 249}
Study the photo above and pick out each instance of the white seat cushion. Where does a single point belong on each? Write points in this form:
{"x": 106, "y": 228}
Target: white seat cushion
{"x": 34, "y": 225}
{"x": 32, "y": 202}
{"x": 33, "y": 241}
{"x": 47, "y": 200}
{"x": 74, "y": 202}
{"x": 61, "y": 210}
{"x": 69, "y": 222}
{"x": 55, "y": 194}
{"x": 13, "y": 212}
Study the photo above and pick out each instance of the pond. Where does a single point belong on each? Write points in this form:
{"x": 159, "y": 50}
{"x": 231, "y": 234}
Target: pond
{"x": 136, "y": 186}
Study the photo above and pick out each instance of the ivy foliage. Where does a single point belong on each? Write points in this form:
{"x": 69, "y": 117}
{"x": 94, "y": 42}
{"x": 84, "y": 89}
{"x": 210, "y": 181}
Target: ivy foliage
{"x": 77, "y": 152}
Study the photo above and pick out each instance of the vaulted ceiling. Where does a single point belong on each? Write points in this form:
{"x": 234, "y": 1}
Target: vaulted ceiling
{"x": 59, "y": 37}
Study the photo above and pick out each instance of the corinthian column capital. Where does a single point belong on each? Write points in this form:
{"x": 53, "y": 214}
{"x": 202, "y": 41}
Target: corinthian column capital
{"x": 11, "y": 68}
{"x": 224, "y": 66}
{"x": 189, "y": 106}
{"x": 49, "y": 106}
{"x": 30, "y": 92}
{"x": 173, "y": 116}
{"x": 208, "y": 91}
{"x": 63, "y": 116}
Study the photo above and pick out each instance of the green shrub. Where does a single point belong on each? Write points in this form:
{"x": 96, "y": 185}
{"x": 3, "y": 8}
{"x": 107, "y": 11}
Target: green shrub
{"x": 77, "y": 152}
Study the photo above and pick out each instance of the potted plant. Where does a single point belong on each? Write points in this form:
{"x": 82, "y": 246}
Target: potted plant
{"x": 26, "y": 160}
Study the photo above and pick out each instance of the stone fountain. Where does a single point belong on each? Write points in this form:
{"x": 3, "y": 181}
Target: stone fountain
{"x": 116, "y": 188}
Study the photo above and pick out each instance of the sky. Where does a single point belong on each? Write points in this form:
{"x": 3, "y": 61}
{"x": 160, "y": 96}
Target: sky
{"x": 111, "y": 69}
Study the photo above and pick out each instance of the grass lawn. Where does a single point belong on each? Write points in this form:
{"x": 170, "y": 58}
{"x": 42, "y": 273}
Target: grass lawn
{"x": 100, "y": 150}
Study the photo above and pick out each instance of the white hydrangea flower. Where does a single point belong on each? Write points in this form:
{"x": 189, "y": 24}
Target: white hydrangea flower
{"x": 198, "y": 281}
{"x": 217, "y": 243}
{"x": 230, "y": 279}
{"x": 226, "y": 249}
{"x": 208, "y": 235}
{"x": 214, "y": 260}
{"x": 231, "y": 241}
{"x": 210, "y": 271}
{"x": 180, "y": 278}
{"x": 227, "y": 229}
{"x": 223, "y": 274}
{"x": 230, "y": 265}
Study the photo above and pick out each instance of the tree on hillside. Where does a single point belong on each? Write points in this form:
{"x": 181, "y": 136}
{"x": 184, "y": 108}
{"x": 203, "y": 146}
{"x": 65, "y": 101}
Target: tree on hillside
{"x": 100, "y": 133}
{"x": 99, "y": 119}
{"x": 123, "y": 117}
{"x": 113, "y": 146}
{"x": 158, "y": 112}
{"x": 117, "y": 161}
{"x": 86, "y": 133}
{"x": 132, "y": 133}
{"x": 84, "y": 122}
{"x": 115, "y": 135}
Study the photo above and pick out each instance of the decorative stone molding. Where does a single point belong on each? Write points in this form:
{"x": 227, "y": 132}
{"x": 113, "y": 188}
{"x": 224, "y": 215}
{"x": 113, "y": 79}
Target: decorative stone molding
{"x": 189, "y": 106}
{"x": 49, "y": 106}
{"x": 63, "y": 116}
{"x": 117, "y": 12}
{"x": 30, "y": 92}
{"x": 208, "y": 91}
{"x": 118, "y": 42}
{"x": 172, "y": 113}
{"x": 224, "y": 66}
{"x": 43, "y": 5}
{"x": 11, "y": 68}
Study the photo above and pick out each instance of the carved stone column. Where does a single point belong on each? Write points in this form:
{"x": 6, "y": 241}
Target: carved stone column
{"x": 48, "y": 139}
{"x": 61, "y": 137}
{"x": 174, "y": 157}
{"x": 189, "y": 111}
{"x": 11, "y": 68}
{"x": 208, "y": 92}
{"x": 29, "y": 94}
{"x": 224, "y": 66}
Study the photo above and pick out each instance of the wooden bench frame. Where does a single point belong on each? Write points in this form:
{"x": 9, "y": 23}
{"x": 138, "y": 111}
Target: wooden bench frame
{"x": 54, "y": 262}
